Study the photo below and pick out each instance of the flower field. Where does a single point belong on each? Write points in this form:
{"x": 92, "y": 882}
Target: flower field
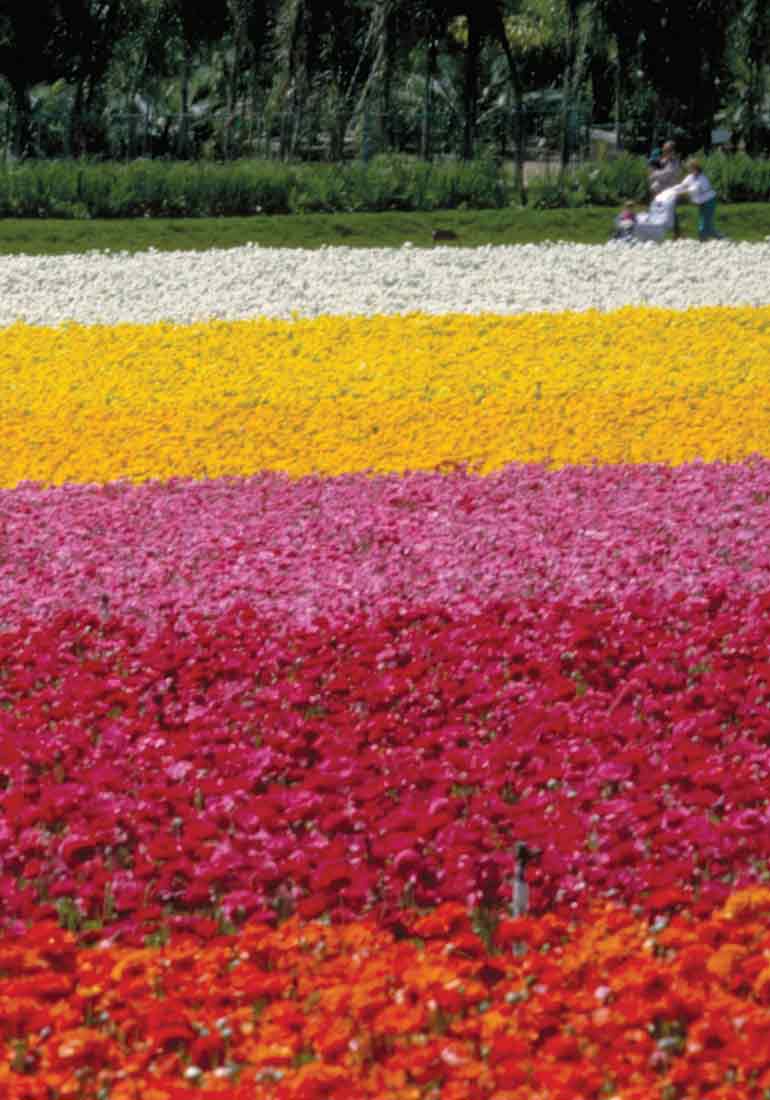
{"x": 323, "y": 593}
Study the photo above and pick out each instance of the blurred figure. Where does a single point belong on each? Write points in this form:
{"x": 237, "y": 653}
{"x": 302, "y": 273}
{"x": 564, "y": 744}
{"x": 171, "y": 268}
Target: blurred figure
{"x": 665, "y": 172}
{"x": 625, "y": 223}
{"x": 697, "y": 186}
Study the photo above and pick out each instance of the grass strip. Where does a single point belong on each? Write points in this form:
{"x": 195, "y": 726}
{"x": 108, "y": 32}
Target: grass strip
{"x": 472, "y": 228}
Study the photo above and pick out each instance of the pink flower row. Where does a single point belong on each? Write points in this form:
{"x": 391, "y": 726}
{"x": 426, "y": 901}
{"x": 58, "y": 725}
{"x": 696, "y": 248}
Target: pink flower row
{"x": 295, "y": 549}
{"x": 227, "y": 768}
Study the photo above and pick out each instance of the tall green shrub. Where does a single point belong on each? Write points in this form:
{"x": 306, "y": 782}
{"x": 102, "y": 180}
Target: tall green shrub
{"x": 75, "y": 189}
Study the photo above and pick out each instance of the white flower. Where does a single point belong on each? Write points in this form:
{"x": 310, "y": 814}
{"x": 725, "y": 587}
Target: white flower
{"x": 109, "y": 288}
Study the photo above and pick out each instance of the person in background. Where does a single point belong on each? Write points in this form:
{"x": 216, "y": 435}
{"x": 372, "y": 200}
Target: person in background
{"x": 665, "y": 172}
{"x": 697, "y": 186}
{"x": 624, "y": 223}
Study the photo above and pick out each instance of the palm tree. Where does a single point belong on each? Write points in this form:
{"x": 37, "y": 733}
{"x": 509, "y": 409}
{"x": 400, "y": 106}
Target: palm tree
{"x": 752, "y": 48}
{"x": 26, "y": 38}
{"x": 323, "y": 54}
{"x": 192, "y": 27}
{"x": 683, "y": 51}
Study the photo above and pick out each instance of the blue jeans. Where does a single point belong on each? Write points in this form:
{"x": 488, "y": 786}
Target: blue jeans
{"x": 706, "y": 227}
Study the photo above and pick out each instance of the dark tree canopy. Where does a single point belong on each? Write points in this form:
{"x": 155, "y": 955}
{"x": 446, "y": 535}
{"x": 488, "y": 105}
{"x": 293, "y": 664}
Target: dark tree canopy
{"x": 424, "y": 75}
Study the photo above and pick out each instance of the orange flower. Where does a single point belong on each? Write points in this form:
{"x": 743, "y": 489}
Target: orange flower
{"x": 762, "y": 986}
{"x": 315, "y": 1081}
{"x": 446, "y": 921}
{"x": 81, "y": 1047}
{"x": 379, "y": 1017}
{"x": 724, "y": 961}
{"x": 749, "y": 902}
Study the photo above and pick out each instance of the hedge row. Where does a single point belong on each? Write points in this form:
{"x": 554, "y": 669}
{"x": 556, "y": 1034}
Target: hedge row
{"x": 77, "y": 189}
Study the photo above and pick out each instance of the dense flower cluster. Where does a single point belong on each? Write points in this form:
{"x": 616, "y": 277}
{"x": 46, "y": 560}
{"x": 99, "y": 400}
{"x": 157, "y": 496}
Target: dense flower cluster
{"x": 237, "y": 283}
{"x": 233, "y": 771}
{"x": 606, "y": 1006}
{"x": 270, "y": 739}
{"x": 337, "y": 395}
{"x": 294, "y": 550}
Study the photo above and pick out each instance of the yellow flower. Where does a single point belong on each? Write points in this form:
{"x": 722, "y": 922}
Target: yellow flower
{"x": 335, "y": 395}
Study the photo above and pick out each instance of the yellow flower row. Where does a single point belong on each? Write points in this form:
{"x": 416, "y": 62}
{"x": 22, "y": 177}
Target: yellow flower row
{"x": 383, "y": 393}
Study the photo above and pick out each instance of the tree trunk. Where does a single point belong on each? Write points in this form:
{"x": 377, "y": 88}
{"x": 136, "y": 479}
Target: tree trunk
{"x": 93, "y": 129}
{"x": 283, "y": 134}
{"x": 295, "y": 120}
{"x": 233, "y": 78}
{"x": 232, "y": 104}
{"x": 568, "y": 87}
{"x": 757, "y": 37}
{"x": 754, "y": 97}
{"x": 183, "y": 147}
{"x": 619, "y": 102}
{"x": 22, "y": 110}
{"x": 519, "y": 117}
{"x": 340, "y": 120}
{"x": 388, "y": 45}
{"x": 426, "y": 143}
{"x": 471, "y": 86}
{"x": 520, "y": 144}
{"x": 76, "y": 121}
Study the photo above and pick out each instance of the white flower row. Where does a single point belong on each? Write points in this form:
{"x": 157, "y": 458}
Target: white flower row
{"x": 107, "y": 288}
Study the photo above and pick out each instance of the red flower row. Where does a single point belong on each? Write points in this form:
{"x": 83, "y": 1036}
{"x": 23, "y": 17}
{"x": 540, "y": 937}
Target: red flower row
{"x": 224, "y": 770}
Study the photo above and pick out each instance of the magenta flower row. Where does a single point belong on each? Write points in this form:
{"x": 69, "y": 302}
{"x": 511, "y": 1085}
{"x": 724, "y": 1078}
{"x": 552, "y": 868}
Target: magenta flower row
{"x": 294, "y": 550}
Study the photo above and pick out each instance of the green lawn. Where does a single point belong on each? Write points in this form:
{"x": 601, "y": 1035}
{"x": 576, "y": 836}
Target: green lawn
{"x": 590, "y": 225}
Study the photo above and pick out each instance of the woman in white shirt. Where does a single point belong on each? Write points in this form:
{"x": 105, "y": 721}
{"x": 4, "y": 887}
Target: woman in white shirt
{"x": 697, "y": 187}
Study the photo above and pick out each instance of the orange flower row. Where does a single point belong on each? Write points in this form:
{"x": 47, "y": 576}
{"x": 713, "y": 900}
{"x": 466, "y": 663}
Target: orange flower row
{"x": 602, "y": 1004}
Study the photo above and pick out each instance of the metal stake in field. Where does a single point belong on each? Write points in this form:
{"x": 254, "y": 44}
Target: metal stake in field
{"x": 520, "y": 891}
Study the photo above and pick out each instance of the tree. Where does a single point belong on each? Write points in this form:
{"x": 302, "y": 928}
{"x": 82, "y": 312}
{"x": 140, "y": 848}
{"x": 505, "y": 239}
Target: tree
{"x": 324, "y": 54}
{"x": 683, "y": 50}
{"x": 751, "y": 62}
{"x": 193, "y": 26}
{"x": 624, "y": 24}
{"x": 248, "y": 37}
{"x": 575, "y": 65}
{"x": 517, "y": 84}
{"x": 26, "y": 32}
{"x": 86, "y": 33}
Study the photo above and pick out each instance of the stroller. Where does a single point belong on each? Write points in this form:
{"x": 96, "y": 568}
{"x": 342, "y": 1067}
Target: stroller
{"x": 659, "y": 220}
